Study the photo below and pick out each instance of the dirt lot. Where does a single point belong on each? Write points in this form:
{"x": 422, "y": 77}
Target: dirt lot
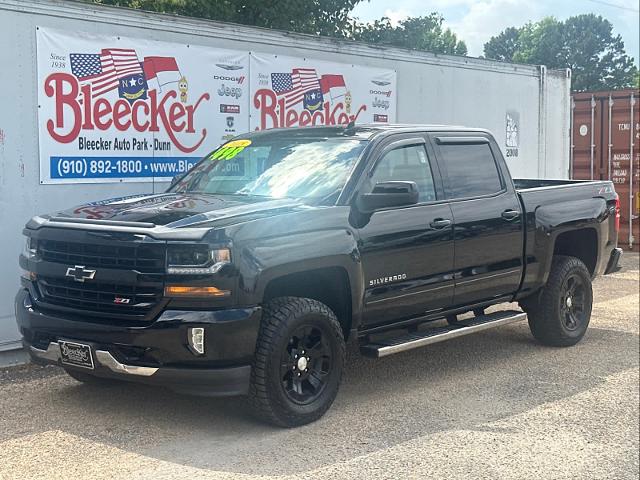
{"x": 491, "y": 405}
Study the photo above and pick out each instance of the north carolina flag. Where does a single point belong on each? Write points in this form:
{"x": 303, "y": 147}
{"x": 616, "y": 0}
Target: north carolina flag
{"x": 163, "y": 70}
{"x": 333, "y": 85}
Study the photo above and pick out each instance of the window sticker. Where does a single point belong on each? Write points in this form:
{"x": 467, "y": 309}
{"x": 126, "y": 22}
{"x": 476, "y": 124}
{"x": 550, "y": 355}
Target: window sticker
{"x": 230, "y": 150}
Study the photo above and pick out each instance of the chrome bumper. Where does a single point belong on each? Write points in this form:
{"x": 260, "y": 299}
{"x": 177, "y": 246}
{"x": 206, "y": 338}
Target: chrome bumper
{"x": 104, "y": 358}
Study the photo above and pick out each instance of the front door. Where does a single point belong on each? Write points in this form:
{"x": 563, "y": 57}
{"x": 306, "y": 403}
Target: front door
{"x": 407, "y": 252}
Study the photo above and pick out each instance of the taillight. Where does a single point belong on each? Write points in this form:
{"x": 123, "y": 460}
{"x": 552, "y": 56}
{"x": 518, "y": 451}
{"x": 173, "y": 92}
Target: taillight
{"x": 617, "y": 213}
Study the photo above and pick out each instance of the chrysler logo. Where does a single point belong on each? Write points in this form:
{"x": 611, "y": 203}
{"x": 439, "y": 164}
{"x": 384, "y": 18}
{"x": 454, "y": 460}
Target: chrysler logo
{"x": 80, "y": 274}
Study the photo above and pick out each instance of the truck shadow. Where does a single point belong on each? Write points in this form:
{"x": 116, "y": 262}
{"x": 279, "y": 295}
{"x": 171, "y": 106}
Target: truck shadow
{"x": 460, "y": 384}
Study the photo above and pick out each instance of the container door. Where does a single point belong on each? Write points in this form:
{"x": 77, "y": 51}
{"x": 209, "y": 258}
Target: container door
{"x": 624, "y": 171}
{"x": 606, "y": 141}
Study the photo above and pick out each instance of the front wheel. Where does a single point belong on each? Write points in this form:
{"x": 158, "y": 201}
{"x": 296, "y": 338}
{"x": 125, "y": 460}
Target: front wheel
{"x": 298, "y": 363}
{"x": 559, "y": 315}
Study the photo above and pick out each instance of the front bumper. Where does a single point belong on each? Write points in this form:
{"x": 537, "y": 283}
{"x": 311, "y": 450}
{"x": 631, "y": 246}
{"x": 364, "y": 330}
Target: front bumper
{"x": 155, "y": 354}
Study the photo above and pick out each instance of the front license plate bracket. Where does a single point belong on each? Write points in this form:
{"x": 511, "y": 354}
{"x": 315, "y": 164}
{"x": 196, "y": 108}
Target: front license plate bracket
{"x": 76, "y": 354}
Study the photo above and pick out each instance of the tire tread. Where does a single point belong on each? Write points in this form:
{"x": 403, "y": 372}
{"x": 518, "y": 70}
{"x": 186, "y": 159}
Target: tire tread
{"x": 275, "y": 318}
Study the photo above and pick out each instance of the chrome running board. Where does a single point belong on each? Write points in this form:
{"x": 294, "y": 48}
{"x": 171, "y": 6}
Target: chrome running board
{"x": 382, "y": 348}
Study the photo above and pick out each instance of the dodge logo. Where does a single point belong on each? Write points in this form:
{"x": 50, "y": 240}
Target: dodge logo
{"x": 80, "y": 274}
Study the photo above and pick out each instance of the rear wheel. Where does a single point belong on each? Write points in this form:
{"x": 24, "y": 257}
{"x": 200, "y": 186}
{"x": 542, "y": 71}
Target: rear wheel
{"x": 298, "y": 363}
{"x": 559, "y": 315}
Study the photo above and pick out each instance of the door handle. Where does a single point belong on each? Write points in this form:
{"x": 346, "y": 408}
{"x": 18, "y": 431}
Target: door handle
{"x": 440, "y": 223}
{"x": 510, "y": 214}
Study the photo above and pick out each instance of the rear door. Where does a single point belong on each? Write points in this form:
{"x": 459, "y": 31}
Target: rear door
{"x": 407, "y": 252}
{"x": 488, "y": 234}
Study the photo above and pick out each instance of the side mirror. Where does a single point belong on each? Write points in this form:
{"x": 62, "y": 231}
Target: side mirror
{"x": 387, "y": 195}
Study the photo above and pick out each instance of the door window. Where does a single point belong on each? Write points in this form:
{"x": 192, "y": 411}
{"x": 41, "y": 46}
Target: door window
{"x": 409, "y": 164}
{"x": 471, "y": 170}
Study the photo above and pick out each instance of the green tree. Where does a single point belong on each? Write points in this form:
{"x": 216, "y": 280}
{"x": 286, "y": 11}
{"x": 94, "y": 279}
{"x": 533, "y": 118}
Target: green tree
{"x": 584, "y": 43}
{"x": 504, "y": 46}
{"x": 418, "y": 33}
{"x": 320, "y": 17}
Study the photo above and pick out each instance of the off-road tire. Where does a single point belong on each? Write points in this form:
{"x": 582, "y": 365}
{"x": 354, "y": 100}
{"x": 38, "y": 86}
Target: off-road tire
{"x": 544, "y": 309}
{"x": 267, "y": 395}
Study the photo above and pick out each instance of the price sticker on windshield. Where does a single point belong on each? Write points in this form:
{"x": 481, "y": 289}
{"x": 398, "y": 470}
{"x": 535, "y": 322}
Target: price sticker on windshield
{"x": 230, "y": 150}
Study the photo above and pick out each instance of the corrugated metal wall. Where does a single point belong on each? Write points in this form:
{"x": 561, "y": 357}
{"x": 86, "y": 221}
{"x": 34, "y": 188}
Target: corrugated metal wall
{"x": 605, "y": 144}
{"x": 431, "y": 89}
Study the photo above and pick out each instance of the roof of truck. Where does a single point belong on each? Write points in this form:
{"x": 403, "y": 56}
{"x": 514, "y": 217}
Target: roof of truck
{"x": 363, "y": 131}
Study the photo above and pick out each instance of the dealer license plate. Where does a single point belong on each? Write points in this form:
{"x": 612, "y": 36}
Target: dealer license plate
{"x": 76, "y": 354}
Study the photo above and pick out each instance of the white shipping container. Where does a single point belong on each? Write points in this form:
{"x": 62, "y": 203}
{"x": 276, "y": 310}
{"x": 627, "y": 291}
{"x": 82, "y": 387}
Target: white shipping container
{"x": 526, "y": 107}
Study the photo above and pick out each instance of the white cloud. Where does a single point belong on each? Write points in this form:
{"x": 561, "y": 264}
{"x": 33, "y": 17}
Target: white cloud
{"x": 396, "y": 16}
{"x": 476, "y": 21}
{"x": 488, "y": 18}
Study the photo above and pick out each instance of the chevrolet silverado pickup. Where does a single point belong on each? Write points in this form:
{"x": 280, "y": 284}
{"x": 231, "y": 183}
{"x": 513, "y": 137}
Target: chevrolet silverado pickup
{"x": 252, "y": 271}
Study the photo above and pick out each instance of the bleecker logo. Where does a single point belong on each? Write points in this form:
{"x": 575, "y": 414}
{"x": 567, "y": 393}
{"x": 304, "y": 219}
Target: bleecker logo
{"x": 324, "y": 100}
{"x": 148, "y": 98}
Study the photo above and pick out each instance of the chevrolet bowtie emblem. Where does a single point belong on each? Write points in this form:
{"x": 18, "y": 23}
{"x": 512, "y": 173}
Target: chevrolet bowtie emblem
{"x": 80, "y": 274}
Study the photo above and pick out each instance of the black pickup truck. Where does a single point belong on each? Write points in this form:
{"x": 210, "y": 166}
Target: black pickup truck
{"x": 251, "y": 272}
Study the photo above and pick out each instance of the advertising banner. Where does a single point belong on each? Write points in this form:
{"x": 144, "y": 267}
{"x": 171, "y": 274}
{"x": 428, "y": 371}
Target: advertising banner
{"x": 293, "y": 92}
{"x": 117, "y": 109}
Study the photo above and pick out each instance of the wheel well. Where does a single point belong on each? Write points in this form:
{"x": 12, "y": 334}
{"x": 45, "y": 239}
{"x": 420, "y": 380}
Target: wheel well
{"x": 582, "y": 244}
{"x": 327, "y": 285}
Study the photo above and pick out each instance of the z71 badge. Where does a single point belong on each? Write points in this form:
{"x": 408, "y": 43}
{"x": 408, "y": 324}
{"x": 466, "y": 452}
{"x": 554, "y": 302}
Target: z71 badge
{"x": 384, "y": 280}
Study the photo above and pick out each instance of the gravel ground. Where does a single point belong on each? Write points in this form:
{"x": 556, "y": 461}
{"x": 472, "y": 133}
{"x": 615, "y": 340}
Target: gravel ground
{"x": 491, "y": 405}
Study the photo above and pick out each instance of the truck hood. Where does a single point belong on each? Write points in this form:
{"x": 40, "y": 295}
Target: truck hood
{"x": 180, "y": 210}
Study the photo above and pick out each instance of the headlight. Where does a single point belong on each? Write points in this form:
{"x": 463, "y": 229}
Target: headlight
{"x": 30, "y": 248}
{"x": 196, "y": 259}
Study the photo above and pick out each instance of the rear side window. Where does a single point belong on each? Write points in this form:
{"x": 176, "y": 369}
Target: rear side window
{"x": 471, "y": 170}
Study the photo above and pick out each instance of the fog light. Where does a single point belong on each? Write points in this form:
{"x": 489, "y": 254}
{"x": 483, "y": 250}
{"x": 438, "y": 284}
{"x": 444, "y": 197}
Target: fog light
{"x": 196, "y": 340}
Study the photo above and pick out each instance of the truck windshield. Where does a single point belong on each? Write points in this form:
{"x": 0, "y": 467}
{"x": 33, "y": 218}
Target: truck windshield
{"x": 275, "y": 167}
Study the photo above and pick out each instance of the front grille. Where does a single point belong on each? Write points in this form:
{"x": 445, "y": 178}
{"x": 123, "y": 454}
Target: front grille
{"x": 99, "y": 296}
{"x": 140, "y": 257}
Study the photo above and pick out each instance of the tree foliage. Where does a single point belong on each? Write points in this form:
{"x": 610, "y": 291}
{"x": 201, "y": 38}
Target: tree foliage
{"x": 584, "y": 43}
{"x": 319, "y": 17}
{"x": 419, "y": 33}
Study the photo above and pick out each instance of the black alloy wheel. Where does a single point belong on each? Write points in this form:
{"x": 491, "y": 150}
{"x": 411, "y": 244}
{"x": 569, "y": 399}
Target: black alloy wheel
{"x": 305, "y": 365}
{"x": 559, "y": 313}
{"x": 572, "y": 302}
{"x": 297, "y": 368}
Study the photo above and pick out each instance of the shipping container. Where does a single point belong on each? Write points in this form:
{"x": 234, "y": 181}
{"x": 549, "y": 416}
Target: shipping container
{"x": 527, "y": 107}
{"x": 605, "y": 145}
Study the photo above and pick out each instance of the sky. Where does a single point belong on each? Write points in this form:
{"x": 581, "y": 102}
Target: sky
{"x": 476, "y": 21}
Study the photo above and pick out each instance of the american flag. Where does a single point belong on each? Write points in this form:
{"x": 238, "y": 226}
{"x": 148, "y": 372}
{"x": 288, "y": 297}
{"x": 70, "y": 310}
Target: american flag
{"x": 103, "y": 70}
{"x": 292, "y": 86}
